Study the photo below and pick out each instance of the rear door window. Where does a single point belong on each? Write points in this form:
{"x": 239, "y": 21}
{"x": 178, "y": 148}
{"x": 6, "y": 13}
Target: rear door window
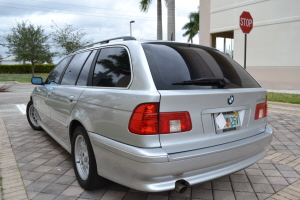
{"x": 171, "y": 64}
{"x": 112, "y": 68}
{"x": 54, "y": 76}
{"x": 84, "y": 74}
{"x": 72, "y": 72}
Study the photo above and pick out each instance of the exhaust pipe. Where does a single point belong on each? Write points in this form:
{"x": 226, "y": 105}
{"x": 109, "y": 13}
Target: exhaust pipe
{"x": 181, "y": 186}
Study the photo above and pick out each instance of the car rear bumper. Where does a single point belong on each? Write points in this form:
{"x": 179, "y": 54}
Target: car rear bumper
{"x": 153, "y": 170}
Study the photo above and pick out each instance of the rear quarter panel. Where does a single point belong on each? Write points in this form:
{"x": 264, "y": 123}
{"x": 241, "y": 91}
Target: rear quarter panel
{"x": 107, "y": 111}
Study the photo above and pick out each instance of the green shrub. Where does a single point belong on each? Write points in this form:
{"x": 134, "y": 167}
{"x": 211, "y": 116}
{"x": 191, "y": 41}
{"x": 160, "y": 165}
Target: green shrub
{"x": 25, "y": 69}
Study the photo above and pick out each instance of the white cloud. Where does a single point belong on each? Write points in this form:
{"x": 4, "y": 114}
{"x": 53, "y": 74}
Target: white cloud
{"x": 100, "y": 19}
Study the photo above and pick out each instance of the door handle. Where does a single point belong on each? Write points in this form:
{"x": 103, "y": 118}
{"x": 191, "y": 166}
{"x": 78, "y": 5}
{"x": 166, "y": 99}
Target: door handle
{"x": 71, "y": 98}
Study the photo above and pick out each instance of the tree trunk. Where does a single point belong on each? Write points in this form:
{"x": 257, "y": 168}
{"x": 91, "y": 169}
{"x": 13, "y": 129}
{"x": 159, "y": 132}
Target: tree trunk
{"x": 171, "y": 20}
{"x": 32, "y": 68}
{"x": 159, "y": 21}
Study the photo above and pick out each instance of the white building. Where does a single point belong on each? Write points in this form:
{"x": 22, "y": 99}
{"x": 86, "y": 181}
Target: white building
{"x": 272, "y": 45}
{"x": 10, "y": 60}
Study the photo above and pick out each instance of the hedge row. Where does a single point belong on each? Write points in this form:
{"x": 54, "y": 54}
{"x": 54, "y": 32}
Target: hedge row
{"x": 25, "y": 69}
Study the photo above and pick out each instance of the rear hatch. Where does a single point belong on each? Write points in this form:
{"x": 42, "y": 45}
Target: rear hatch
{"x": 219, "y": 95}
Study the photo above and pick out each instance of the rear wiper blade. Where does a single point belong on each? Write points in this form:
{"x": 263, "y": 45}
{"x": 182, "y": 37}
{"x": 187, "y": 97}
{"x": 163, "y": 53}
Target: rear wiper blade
{"x": 220, "y": 82}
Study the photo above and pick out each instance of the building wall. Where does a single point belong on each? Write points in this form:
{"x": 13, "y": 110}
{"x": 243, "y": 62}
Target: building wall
{"x": 272, "y": 45}
{"x": 204, "y": 32}
{"x": 274, "y": 39}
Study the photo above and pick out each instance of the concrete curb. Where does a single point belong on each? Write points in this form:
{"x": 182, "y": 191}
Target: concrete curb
{"x": 284, "y": 91}
{"x": 286, "y": 105}
{"x": 16, "y": 82}
{"x": 13, "y": 83}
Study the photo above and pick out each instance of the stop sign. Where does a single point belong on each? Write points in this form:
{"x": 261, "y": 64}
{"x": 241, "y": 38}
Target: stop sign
{"x": 246, "y": 22}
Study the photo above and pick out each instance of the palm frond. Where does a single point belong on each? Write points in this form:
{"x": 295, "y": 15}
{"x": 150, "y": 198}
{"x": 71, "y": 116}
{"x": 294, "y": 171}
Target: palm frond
{"x": 192, "y": 27}
{"x": 144, "y": 5}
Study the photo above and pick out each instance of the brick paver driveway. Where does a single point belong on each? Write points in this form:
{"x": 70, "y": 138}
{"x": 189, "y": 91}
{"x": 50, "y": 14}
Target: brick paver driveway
{"x": 34, "y": 166}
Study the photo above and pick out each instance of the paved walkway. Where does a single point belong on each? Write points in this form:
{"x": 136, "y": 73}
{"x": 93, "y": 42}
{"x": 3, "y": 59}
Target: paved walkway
{"x": 47, "y": 173}
{"x": 34, "y": 166}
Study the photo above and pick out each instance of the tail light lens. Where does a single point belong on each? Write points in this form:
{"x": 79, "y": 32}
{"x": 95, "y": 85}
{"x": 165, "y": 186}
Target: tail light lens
{"x": 173, "y": 122}
{"x": 146, "y": 120}
{"x": 261, "y": 110}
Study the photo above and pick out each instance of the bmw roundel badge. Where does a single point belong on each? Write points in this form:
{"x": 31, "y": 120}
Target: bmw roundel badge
{"x": 230, "y": 100}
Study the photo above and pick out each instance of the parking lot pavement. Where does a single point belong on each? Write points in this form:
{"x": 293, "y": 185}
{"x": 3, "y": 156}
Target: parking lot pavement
{"x": 46, "y": 169}
{"x": 17, "y": 93}
{"x": 34, "y": 166}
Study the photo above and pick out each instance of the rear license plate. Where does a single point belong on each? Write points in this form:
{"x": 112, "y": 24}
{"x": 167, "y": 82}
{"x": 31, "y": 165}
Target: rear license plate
{"x": 231, "y": 121}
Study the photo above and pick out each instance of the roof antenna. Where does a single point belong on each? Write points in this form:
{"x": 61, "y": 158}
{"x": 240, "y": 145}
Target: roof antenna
{"x": 172, "y": 37}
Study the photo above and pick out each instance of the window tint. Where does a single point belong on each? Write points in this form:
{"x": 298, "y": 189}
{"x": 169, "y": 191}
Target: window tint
{"x": 72, "y": 72}
{"x": 177, "y": 63}
{"x": 54, "y": 75}
{"x": 112, "y": 68}
{"x": 84, "y": 74}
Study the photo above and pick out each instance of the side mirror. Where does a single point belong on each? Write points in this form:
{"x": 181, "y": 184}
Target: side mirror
{"x": 37, "y": 80}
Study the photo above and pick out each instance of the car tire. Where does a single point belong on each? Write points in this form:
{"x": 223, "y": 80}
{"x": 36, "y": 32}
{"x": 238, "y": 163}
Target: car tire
{"x": 32, "y": 116}
{"x": 84, "y": 161}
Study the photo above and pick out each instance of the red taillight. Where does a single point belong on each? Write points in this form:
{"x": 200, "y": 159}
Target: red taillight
{"x": 173, "y": 122}
{"x": 261, "y": 110}
{"x": 146, "y": 120}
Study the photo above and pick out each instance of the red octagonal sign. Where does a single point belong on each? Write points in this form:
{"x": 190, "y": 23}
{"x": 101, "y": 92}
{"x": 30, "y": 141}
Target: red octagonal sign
{"x": 246, "y": 22}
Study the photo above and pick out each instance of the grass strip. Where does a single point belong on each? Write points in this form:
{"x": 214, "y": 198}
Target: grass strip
{"x": 284, "y": 97}
{"x": 21, "y": 78}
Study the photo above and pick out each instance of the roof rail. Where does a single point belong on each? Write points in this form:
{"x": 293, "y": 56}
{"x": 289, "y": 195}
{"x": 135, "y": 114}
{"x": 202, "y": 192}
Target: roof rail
{"x": 107, "y": 41}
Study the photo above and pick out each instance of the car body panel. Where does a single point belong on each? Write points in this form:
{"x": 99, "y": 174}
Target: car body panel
{"x": 204, "y": 134}
{"x": 40, "y": 99}
{"x": 109, "y": 114}
{"x": 62, "y": 100}
{"x": 55, "y": 136}
{"x": 116, "y": 162}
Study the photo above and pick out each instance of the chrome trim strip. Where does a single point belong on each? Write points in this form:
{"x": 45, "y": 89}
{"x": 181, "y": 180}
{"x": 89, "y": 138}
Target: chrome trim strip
{"x": 105, "y": 46}
{"x": 130, "y": 60}
{"x": 42, "y": 112}
{"x": 59, "y": 121}
{"x": 52, "y": 118}
{"x": 227, "y": 109}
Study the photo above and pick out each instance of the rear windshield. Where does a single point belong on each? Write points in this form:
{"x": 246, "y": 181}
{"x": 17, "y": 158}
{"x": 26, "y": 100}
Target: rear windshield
{"x": 177, "y": 63}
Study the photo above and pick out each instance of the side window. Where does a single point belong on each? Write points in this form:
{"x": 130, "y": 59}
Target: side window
{"x": 84, "y": 74}
{"x": 54, "y": 75}
{"x": 112, "y": 68}
{"x": 72, "y": 72}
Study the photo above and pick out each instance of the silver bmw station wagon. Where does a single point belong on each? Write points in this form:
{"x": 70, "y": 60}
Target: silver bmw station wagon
{"x": 152, "y": 115}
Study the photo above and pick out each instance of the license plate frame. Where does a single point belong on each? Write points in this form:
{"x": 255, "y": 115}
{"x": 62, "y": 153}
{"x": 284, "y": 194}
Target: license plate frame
{"x": 232, "y": 119}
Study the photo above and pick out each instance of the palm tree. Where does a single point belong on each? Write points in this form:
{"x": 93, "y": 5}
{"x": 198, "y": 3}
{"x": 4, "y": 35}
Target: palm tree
{"x": 171, "y": 20}
{"x": 192, "y": 27}
{"x": 144, "y": 6}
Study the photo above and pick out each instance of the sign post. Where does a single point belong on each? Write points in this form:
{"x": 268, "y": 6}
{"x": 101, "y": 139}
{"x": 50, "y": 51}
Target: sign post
{"x": 246, "y": 24}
